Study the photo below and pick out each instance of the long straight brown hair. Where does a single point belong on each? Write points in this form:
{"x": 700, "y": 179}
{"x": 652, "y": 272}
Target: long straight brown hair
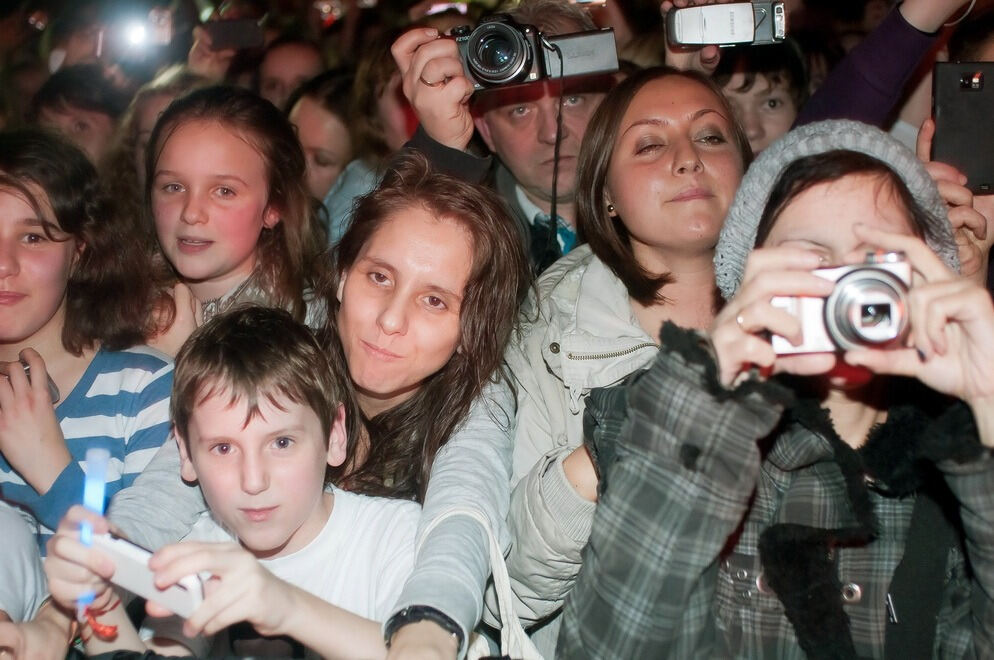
{"x": 404, "y": 440}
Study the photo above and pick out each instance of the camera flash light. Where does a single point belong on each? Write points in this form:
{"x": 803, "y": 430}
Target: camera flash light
{"x": 135, "y": 34}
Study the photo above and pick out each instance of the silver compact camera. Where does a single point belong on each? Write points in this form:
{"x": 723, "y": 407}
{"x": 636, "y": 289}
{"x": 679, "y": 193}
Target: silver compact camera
{"x": 867, "y": 309}
{"x": 501, "y": 51}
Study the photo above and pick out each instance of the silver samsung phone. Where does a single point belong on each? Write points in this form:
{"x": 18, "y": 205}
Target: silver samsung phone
{"x": 727, "y": 24}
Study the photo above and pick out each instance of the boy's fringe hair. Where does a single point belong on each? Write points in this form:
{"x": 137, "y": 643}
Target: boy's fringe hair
{"x": 252, "y": 353}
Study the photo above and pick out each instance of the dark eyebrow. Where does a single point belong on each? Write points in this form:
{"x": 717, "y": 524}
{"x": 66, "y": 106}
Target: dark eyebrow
{"x": 232, "y": 177}
{"x": 652, "y": 121}
{"x": 379, "y": 262}
{"x": 431, "y": 287}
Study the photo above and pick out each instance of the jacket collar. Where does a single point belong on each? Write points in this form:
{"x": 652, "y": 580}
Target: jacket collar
{"x": 593, "y": 338}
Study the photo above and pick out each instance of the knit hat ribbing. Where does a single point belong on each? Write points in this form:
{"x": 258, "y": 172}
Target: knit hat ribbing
{"x": 738, "y": 235}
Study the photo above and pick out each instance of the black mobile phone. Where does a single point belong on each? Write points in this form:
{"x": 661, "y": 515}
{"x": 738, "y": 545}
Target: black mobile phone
{"x": 235, "y": 34}
{"x": 962, "y": 106}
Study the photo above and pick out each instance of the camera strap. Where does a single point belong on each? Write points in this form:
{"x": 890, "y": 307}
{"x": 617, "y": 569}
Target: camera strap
{"x": 559, "y": 132}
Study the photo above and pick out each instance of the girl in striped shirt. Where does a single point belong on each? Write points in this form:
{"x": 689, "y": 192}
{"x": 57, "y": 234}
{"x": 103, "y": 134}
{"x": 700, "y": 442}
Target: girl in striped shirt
{"x": 73, "y": 311}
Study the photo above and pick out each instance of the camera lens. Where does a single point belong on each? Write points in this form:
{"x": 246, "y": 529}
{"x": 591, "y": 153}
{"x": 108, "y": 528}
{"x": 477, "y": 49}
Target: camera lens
{"x": 868, "y": 308}
{"x": 497, "y": 53}
{"x": 873, "y": 315}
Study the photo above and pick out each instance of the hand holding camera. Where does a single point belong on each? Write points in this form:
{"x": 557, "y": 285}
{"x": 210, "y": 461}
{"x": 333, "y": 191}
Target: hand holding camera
{"x": 739, "y": 334}
{"x": 950, "y": 346}
{"x": 912, "y": 317}
{"x": 433, "y": 82}
{"x": 501, "y": 51}
{"x": 30, "y": 437}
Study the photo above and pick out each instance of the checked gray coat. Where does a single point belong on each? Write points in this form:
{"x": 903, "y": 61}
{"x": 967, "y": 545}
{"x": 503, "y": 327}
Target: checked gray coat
{"x": 729, "y": 528}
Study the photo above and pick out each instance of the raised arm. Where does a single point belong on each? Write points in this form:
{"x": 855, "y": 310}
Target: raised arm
{"x": 868, "y": 84}
{"x": 445, "y": 122}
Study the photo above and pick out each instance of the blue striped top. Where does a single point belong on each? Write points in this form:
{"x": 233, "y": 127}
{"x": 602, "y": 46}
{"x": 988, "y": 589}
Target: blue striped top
{"x": 122, "y": 403}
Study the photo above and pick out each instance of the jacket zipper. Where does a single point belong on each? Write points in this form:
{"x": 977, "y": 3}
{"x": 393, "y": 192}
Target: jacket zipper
{"x": 613, "y": 354}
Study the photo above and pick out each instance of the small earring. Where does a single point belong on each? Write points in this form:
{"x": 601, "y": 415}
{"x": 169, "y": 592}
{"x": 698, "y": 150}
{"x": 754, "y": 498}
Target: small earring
{"x": 610, "y": 208}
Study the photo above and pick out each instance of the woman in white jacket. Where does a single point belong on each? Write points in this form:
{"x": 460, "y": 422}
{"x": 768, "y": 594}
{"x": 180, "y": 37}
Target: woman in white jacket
{"x": 659, "y": 166}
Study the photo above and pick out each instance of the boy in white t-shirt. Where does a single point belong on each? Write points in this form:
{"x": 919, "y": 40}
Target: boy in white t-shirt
{"x": 257, "y": 412}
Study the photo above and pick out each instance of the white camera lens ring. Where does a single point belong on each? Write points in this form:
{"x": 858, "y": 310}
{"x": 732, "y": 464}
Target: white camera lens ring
{"x": 856, "y": 294}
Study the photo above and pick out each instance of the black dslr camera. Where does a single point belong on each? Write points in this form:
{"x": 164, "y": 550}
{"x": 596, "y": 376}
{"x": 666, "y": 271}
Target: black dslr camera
{"x": 501, "y": 51}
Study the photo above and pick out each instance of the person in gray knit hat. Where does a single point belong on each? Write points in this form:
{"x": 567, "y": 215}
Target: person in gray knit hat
{"x": 824, "y": 505}
{"x": 738, "y": 235}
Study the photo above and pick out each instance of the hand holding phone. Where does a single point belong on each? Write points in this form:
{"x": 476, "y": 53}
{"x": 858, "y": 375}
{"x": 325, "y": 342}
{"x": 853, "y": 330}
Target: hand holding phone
{"x": 131, "y": 572}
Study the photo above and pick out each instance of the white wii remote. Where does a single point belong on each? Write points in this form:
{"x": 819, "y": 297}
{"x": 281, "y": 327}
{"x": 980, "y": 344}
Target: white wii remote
{"x": 131, "y": 572}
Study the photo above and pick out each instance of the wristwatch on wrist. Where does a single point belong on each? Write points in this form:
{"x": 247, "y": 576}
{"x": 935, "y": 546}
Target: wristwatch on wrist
{"x": 416, "y": 613}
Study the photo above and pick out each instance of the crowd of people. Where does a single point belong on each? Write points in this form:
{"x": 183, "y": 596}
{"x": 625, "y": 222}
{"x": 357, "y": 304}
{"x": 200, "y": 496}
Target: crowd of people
{"x": 400, "y": 364}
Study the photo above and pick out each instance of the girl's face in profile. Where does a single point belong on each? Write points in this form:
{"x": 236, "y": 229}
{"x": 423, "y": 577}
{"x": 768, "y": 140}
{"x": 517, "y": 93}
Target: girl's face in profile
{"x": 400, "y": 305}
{"x": 210, "y": 203}
{"x": 34, "y": 268}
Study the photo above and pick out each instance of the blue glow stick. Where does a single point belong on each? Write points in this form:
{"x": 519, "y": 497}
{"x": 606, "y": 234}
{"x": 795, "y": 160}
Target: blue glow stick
{"x": 94, "y": 491}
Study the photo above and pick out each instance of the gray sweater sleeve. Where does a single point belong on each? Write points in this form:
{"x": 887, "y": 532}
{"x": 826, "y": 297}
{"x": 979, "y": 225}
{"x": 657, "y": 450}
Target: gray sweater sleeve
{"x": 472, "y": 470}
{"x": 159, "y": 507}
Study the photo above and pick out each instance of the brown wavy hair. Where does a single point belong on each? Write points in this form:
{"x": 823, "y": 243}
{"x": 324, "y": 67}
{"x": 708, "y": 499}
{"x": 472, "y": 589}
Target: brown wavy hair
{"x": 108, "y": 301}
{"x": 288, "y": 252}
{"x": 405, "y": 439}
{"x": 608, "y": 237}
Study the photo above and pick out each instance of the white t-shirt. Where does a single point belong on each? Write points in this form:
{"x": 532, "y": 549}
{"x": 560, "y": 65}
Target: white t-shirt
{"x": 359, "y": 561}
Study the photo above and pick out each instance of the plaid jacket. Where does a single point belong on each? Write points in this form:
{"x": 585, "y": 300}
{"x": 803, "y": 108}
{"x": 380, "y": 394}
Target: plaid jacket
{"x": 681, "y": 469}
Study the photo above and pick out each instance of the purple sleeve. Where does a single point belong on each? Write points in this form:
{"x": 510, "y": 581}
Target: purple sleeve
{"x": 868, "y": 84}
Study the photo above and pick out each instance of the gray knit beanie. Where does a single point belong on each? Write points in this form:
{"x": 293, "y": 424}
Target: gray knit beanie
{"x": 738, "y": 235}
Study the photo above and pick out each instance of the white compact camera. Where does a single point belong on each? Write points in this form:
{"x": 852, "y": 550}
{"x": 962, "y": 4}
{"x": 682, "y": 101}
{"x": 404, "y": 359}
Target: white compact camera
{"x": 867, "y": 309}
